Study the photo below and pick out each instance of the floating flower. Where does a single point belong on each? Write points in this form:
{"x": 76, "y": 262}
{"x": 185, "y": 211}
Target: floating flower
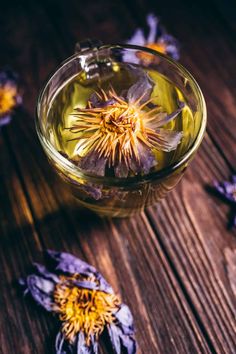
{"x": 86, "y": 305}
{"x": 158, "y": 39}
{"x": 228, "y": 191}
{"x": 9, "y": 95}
{"x": 122, "y": 132}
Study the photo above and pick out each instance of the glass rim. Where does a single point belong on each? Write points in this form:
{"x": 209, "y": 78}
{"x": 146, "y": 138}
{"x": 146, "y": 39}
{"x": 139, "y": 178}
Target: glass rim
{"x": 117, "y": 181}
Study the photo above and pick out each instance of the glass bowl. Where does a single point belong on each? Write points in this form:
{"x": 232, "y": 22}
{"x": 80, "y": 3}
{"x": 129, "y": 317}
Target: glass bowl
{"x": 112, "y": 196}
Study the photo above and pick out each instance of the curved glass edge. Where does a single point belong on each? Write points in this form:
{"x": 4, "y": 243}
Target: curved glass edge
{"x": 114, "y": 181}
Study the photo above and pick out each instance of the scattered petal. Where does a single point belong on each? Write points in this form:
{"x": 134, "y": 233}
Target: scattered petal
{"x": 227, "y": 190}
{"x": 157, "y": 39}
{"x": 10, "y": 96}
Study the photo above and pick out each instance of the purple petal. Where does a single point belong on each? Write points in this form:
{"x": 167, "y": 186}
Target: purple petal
{"x": 142, "y": 88}
{"x": 172, "y": 45}
{"x": 41, "y": 290}
{"x": 82, "y": 347}
{"x": 125, "y": 319}
{"x": 165, "y": 118}
{"x": 147, "y": 159}
{"x": 117, "y": 338}
{"x": 138, "y": 38}
{"x": 114, "y": 334}
{"x": 152, "y": 21}
{"x": 59, "y": 344}
{"x": 94, "y": 164}
{"x": 68, "y": 263}
{"x": 129, "y": 344}
{"x": 93, "y": 191}
{"x": 45, "y": 273}
{"x": 5, "y": 120}
{"x": 166, "y": 140}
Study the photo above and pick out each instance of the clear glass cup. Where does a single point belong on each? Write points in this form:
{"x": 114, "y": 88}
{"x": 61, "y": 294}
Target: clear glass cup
{"x": 112, "y": 196}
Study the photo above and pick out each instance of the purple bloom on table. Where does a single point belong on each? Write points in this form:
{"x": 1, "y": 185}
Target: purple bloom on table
{"x": 157, "y": 39}
{"x": 227, "y": 190}
{"x": 10, "y": 96}
{"x": 122, "y": 132}
{"x": 85, "y": 302}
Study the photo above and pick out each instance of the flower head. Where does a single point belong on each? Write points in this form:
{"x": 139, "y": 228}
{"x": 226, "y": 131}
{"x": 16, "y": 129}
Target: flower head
{"x": 122, "y": 132}
{"x": 157, "y": 39}
{"x": 9, "y": 95}
{"x": 227, "y": 190}
{"x": 86, "y": 305}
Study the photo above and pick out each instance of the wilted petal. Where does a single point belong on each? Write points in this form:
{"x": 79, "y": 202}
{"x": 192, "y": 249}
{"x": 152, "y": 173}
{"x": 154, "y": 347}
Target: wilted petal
{"x": 142, "y": 88}
{"x": 147, "y": 159}
{"x": 171, "y": 44}
{"x": 152, "y": 21}
{"x": 59, "y": 344}
{"x": 163, "y": 118}
{"x": 166, "y": 140}
{"x": 93, "y": 191}
{"x": 41, "y": 290}
{"x": 93, "y": 163}
{"x": 5, "y": 120}
{"x": 45, "y": 273}
{"x": 118, "y": 338}
{"x": 68, "y": 263}
{"x": 114, "y": 334}
{"x": 129, "y": 344}
{"x": 82, "y": 347}
{"x": 125, "y": 319}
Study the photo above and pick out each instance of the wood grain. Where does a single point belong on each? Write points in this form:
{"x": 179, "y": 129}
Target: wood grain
{"x": 168, "y": 263}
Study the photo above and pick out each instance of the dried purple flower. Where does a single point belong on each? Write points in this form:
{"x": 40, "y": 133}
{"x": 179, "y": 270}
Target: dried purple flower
{"x": 227, "y": 190}
{"x": 10, "y": 96}
{"x": 157, "y": 39}
{"x": 86, "y": 305}
{"x": 122, "y": 132}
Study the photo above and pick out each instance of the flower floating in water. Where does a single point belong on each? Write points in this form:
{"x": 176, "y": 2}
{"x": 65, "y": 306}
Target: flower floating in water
{"x": 158, "y": 39}
{"x": 85, "y": 303}
{"x": 228, "y": 191}
{"x": 9, "y": 95}
{"x": 122, "y": 131}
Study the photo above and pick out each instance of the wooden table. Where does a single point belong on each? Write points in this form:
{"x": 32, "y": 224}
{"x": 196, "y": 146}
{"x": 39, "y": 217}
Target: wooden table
{"x": 169, "y": 263}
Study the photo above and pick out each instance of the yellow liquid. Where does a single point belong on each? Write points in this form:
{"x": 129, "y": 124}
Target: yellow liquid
{"x": 76, "y": 93}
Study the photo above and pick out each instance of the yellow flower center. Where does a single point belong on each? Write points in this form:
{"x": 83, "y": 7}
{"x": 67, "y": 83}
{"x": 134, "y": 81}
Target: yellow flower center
{"x": 82, "y": 309}
{"x": 148, "y": 58}
{"x": 7, "y": 98}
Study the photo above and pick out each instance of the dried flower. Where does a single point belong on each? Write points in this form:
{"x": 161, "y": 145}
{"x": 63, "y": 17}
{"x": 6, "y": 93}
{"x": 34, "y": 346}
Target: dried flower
{"x": 9, "y": 95}
{"x": 86, "y": 305}
{"x": 227, "y": 190}
{"x": 157, "y": 39}
{"x": 121, "y": 132}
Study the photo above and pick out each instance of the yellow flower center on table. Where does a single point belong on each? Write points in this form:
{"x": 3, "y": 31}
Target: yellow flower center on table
{"x": 148, "y": 58}
{"x": 7, "y": 98}
{"x": 82, "y": 309}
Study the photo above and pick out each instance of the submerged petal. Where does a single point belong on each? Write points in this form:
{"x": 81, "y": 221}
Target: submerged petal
{"x": 141, "y": 89}
{"x": 166, "y": 140}
{"x": 93, "y": 163}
